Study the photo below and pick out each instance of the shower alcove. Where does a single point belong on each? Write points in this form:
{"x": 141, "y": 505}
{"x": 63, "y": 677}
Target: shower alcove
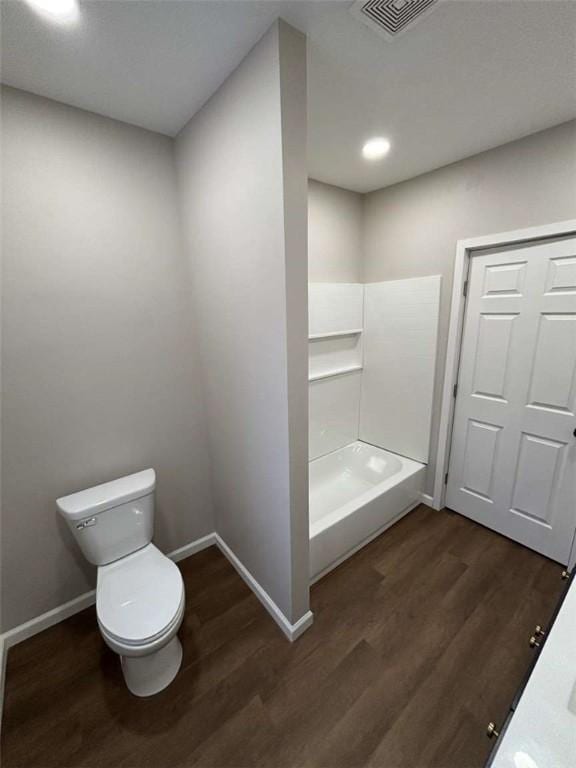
{"x": 372, "y": 354}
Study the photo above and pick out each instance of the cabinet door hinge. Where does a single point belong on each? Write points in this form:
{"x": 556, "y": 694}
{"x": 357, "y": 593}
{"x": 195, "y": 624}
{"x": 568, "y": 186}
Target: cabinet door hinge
{"x": 446, "y": 479}
{"x": 455, "y": 389}
{"x": 465, "y": 291}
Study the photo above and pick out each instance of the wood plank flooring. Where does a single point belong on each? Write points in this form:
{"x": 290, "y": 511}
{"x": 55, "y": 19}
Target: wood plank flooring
{"x": 419, "y": 641}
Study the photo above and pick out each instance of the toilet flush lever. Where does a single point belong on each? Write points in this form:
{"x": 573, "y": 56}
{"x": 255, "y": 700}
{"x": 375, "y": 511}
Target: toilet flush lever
{"x": 86, "y": 523}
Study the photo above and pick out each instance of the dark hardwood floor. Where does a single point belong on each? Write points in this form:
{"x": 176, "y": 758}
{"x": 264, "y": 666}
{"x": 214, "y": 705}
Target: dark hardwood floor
{"x": 418, "y": 641}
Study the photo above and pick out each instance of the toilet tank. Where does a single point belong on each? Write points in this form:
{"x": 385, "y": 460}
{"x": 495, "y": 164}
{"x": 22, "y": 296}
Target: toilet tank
{"x": 114, "y": 519}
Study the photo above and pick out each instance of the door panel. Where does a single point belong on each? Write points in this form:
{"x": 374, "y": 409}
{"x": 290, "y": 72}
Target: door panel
{"x": 536, "y": 475}
{"x": 554, "y": 375}
{"x": 505, "y": 279}
{"x": 492, "y": 355}
{"x": 513, "y": 456}
{"x": 480, "y": 458}
{"x": 562, "y": 275}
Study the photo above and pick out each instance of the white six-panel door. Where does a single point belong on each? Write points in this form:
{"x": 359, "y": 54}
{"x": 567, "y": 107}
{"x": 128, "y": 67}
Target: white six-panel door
{"x": 513, "y": 455}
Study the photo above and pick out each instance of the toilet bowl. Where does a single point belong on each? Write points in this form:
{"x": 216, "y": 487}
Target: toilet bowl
{"x": 140, "y": 595}
{"x": 140, "y": 607}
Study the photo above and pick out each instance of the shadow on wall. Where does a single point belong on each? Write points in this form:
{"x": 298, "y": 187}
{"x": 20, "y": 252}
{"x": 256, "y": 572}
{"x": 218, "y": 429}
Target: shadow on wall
{"x": 87, "y": 569}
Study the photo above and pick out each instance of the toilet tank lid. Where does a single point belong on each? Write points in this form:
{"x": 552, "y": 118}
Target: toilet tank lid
{"x": 93, "y": 500}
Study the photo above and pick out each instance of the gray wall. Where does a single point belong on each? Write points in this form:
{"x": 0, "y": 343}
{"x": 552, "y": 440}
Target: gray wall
{"x": 335, "y": 234}
{"x": 411, "y": 229}
{"x": 100, "y": 373}
{"x": 293, "y": 106}
{"x": 241, "y": 166}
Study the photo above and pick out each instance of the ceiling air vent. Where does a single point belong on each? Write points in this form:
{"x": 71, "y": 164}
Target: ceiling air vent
{"x": 391, "y": 17}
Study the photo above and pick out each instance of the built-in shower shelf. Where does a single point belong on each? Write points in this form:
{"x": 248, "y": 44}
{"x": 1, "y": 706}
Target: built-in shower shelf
{"x": 334, "y": 372}
{"x": 334, "y": 334}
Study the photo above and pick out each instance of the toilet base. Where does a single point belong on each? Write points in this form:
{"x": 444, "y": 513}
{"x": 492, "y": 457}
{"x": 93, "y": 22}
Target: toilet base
{"x": 147, "y": 675}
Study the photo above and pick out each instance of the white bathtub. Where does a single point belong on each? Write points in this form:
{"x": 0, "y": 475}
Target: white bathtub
{"x": 356, "y": 493}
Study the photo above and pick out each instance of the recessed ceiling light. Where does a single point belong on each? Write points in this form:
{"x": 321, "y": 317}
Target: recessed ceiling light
{"x": 375, "y": 149}
{"x": 60, "y": 11}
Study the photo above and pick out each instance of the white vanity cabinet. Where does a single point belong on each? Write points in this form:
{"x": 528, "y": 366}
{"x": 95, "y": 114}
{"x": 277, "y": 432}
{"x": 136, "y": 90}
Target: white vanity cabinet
{"x": 541, "y": 729}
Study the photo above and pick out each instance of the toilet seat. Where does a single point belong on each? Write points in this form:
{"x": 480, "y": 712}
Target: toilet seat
{"x": 139, "y": 598}
{"x": 140, "y": 647}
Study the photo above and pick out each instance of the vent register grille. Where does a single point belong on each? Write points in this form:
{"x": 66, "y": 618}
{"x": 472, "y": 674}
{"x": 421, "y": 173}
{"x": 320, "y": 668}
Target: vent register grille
{"x": 391, "y": 17}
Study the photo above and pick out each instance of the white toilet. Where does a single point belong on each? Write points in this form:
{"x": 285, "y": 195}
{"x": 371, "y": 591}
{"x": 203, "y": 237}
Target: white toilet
{"x": 140, "y": 592}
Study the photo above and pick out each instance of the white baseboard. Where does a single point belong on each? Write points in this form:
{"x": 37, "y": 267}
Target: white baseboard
{"x": 45, "y": 620}
{"x": 292, "y": 631}
{"x": 64, "y": 611}
{"x": 60, "y": 613}
{"x": 191, "y": 549}
{"x": 33, "y": 627}
{"x": 3, "y": 654}
{"x": 428, "y": 500}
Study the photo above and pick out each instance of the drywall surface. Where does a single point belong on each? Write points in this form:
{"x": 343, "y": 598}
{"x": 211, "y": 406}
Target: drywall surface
{"x": 334, "y": 234}
{"x": 411, "y": 229}
{"x": 293, "y": 102}
{"x": 242, "y": 177}
{"x": 100, "y": 373}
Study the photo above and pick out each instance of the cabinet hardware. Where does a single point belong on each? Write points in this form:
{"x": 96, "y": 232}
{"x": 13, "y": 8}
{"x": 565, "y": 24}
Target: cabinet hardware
{"x": 565, "y": 575}
{"x": 538, "y": 631}
{"x": 491, "y": 731}
{"x": 534, "y": 643}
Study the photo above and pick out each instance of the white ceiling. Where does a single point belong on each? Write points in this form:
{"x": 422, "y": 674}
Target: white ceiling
{"x": 472, "y": 75}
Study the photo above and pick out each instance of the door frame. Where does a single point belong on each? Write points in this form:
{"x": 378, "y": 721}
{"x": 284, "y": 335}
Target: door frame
{"x": 466, "y": 250}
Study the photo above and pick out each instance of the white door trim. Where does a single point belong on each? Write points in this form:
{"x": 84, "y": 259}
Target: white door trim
{"x": 464, "y": 252}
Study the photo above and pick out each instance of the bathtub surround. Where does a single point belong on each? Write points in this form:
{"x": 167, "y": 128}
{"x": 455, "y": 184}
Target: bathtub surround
{"x": 334, "y": 409}
{"x": 400, "y": 349}
{"x": 242, "y": 177}
{"x": 372, "y": 357}
{"x": 100, "y": 367}
{"x": 335, "y": 320}
{"x": 411, "y": 229}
